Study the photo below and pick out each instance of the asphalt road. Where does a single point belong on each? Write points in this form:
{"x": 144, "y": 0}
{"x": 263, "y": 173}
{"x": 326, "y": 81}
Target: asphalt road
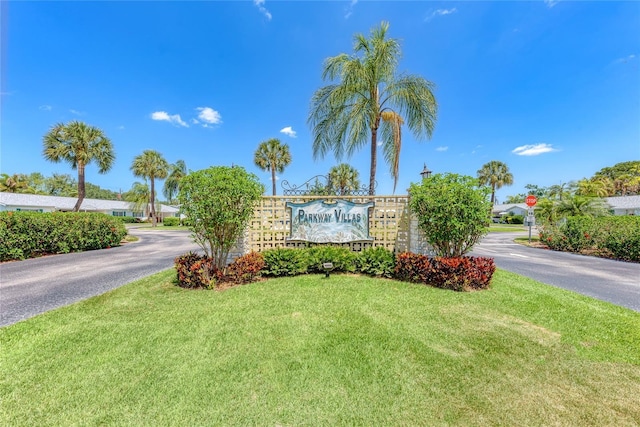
{"x": 615, "y": 281}
{"x": 33, "y": 286}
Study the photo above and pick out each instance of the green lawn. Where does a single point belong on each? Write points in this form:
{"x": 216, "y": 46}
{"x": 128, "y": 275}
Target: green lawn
{"x": 507, "y": 228}
{"x": 346, "y": 350}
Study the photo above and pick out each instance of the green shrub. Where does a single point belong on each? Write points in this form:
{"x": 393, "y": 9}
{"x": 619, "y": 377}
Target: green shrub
{"x": 284, "y": 262}
{"x": 621, "y": 236}
{"x": 613, "y": 236}
{"x": 514, "y": 219}
{"x": 171, "y": 221}
{"x": 31, "y": 234}
{"x": 378, "y": 262}
{"x": 343, "y": 259}
{"x": 128, "y": 219}
{"x": 452, "y": 211}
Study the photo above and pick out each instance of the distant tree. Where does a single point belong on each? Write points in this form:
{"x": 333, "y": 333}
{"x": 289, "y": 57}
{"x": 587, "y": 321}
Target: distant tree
{"x": 150, "y": 165}
{"x": 343, "y": 114}
{"x": 559, "y": 191}
{"x": 219, "y": 202}
{"x": 319, "y": 189}
{"x": 452, "y": 211}
{"x": 595, "y": 187}
{"x": 138, "y": 197}
{"x": 79, "y": 144}
{"x": 37, "y": 182}
{"x": 625, "y": 177}
{"x": 495, "y": 174}
{"x": 580, "y": 205}
{"x": 535, "y": 190}
{"x": 16, "y": 183}
{"x": 63, "y": 185}
{"x": 177, "y": 171}
{"x": 546, "y": 211}
{"x": 343, "y": 180}
{"x": 516, "y": 198}
{"x": 96, "y": 192}
{"x": 273, "y": 156}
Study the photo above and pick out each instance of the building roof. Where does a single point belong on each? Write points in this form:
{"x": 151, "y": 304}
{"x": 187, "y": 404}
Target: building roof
{"x": 505, "y": 207}
{"x": 624, "y": 202}
{"x": 67, "y": 203}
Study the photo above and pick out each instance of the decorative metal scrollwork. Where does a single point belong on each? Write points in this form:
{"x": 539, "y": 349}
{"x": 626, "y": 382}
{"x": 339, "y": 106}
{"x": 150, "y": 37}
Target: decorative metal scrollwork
{"x": 320, "y": 185}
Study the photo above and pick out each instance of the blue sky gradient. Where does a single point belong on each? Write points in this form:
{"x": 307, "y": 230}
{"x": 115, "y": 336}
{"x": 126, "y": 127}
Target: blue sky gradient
{"x": 551, "y": 88}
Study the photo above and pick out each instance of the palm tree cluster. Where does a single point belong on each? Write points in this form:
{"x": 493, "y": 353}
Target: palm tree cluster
{"x": 370, "y": 99}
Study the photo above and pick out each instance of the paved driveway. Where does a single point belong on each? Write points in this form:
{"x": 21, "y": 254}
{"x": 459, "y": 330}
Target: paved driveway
{"x": 33, "y": 286}
{"x": 609, "y": 280}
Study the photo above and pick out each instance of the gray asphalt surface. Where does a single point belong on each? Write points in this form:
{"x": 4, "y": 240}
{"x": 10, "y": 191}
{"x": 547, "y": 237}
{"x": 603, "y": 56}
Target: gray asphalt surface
{"x": 615, "y": 281}
{"x": 33, "y": 286}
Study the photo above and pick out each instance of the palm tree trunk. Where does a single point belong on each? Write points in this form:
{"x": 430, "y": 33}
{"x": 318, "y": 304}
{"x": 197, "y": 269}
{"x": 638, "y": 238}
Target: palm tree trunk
{"x": 81, "y": 191}
{"x": 152, "y": 198}
{"x": 374, "y": 159}
{"x": 273, "y": 179}
{"x": 493, "y": 194}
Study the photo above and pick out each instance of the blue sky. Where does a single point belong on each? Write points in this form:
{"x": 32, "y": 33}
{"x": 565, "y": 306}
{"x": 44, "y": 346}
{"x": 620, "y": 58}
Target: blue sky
{"x": 551, "y": 88}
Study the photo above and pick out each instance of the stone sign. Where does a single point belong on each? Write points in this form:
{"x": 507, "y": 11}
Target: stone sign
{"x": 320, "y": 222}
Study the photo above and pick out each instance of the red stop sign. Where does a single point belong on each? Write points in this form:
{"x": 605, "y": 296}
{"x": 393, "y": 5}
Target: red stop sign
{"x": 531, "y": 200}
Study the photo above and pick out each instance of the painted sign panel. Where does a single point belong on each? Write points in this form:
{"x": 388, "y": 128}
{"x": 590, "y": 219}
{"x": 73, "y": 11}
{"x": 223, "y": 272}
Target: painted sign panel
{"x": 320, "y": 222}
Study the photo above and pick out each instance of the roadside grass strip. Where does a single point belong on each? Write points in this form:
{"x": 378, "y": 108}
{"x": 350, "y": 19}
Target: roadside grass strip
{"x": 307, "y": 350}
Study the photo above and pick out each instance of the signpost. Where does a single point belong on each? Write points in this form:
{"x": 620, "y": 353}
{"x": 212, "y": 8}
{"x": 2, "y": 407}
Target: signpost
{"x": 531, "y": 201}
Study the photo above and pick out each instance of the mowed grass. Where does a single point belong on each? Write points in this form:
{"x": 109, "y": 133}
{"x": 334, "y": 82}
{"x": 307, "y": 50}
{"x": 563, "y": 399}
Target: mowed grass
{"x": 347, "y": 350}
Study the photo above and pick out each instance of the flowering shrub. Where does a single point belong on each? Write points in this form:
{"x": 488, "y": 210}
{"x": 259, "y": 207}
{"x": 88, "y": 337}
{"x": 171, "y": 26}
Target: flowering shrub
{"x": 611, "y": 236}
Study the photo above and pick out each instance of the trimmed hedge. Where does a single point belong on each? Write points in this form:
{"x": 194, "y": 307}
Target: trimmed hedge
{"x": 32, "y": 234}
{"x": 171, "y": 221}
{"x": 458, "y": 274}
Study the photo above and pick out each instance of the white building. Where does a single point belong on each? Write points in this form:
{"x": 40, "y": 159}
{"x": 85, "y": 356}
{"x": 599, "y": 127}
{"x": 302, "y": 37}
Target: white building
{"x": 624, "y": 205}
{"x": 39, "y": 203}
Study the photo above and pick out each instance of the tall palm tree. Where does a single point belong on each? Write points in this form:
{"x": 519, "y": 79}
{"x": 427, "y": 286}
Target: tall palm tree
{"x": 496, "y": 174}
{"x": 274, "y": 156}
{"x": 344, "y": 114}
{"x": 177, "y": 171}
{"x": 150, "y": 165}
{"x": 79, "y": 144}
{"x": 343, "y": 179}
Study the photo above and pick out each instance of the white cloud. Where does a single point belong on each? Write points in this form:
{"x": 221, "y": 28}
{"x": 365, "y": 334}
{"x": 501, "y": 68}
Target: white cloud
{"x": 625, "y": 59}
{"x": 120, "y": 127}
{"x": 163, "y": 116}
{"x": 533, "y": 150}
{"x": 76, "y": 112}
{"x": 551, "y": 3}
{"x": 349, "y": 9}
{"x": 209, "y": 116}
{"x": 262, "y": 9}
{"x": 45, "y": 107}
{"x": 288, "y": 131}
{"x": 442, "y": 148}
{"x": 440, "y": 12}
